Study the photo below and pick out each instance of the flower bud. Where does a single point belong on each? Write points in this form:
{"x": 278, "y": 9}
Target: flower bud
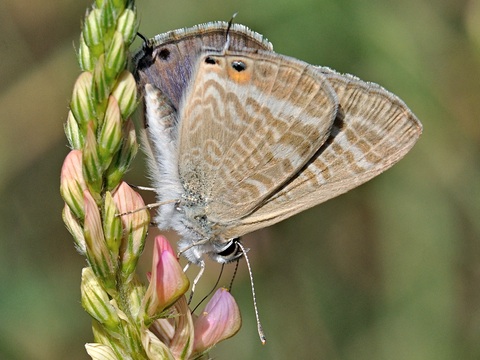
{"x": 100, "y": 352}
{"x": 112, "y": 225}
{"x": 98, "y": 254}
{"x": 120, "y": 4}
{"x": 219, "y": 321}
{"x": 116, "y": 57}
{"x": 103, "y": 336}
{"x": 72, "y": 183}
{"x": 127, "y": 25}
{"x": 135, "y": 295}
{"x": 74, "y": 136}
{"x": 96, "y": 302}
{"x": 121, "y": 162}
{"x": 81, "y": 105}
{"x": 110, "y": 137}
{"x": 154, "y": 348}
{"x": 101, "y": 87}
{"x": 167, "y": 281}
{"x": 92, "y": 165}
{"x": 135, "y": 227}
{"x": 181, "y": 343}
{"x": 84, "y": 57}
{"x": 92, "y": 29}
{"x": 75, "y": 228}
{"x": 125, "y": 91}
{"x": 108, "y": 15}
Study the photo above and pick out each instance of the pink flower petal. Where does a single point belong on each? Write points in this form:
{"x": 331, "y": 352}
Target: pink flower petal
{"x": 167, "y": 280}
{"x": 219, "y": 321}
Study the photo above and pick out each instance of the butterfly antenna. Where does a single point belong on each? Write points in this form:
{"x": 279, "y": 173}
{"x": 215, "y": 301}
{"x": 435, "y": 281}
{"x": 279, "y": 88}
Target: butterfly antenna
{"x": 227, "y": 34}
{"x": 234, "y": 275}
{"x": 261, "y": 334}
{"x": 213, "y": 289}
{"x": 142, "y": 37}
{"x": 146, "y": 46}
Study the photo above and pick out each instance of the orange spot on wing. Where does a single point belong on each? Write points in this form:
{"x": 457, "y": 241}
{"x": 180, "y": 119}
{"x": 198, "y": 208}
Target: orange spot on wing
{"x": 239, "y": 77}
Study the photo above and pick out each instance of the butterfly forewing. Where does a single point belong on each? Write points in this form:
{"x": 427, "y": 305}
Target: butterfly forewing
{"x": 373, "y": 130}
{"x": 251, "y": 121}
{"x": 164, "y": 66}
{"x": 168, "y": 61}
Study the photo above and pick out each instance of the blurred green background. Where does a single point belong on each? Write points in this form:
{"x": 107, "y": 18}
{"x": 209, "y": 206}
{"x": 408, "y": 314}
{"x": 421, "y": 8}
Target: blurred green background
{"x": 390, "y": 270}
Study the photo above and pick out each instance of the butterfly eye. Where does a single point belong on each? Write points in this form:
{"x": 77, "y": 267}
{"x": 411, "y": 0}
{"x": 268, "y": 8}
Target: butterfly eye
{"x": 164, "y": 54}
{"x": 239, "y": 66}
{"x": 210, "y": 60}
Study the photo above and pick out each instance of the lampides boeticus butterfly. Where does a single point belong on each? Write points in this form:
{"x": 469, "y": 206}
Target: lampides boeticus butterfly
{"x": 242, "y": 137}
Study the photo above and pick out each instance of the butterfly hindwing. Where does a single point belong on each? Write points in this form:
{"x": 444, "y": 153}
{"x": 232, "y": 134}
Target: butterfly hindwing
{"x": 373, "y": 130}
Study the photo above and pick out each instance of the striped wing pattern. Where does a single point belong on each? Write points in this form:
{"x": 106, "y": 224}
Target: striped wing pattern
{"x": 250, "y": 137}
{"x": 373, "y": 130}
{"x": 243, "y": 134}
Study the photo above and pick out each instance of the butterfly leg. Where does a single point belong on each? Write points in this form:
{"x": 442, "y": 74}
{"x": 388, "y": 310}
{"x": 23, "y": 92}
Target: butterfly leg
{"x": 195, "y": 281}
{"x": 144, "y": 188}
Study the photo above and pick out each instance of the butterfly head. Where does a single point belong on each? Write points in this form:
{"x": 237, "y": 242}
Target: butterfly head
{"x": 228, "y": 252}
{"x": 220, "y": 251}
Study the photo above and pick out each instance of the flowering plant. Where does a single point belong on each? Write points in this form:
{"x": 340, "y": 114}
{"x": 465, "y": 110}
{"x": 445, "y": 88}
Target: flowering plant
{"x": 109, "y": 221}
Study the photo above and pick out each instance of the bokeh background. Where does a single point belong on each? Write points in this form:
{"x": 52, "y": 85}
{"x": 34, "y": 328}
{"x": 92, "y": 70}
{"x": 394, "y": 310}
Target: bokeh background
{"x": 390, "y": 270}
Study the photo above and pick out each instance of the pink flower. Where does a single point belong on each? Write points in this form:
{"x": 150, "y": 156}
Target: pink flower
{"x": 72, "y": 183}
{"x": 219, "y": 321}
{"x": 167, "y": 282}
{"x": 98, "y": 254}
{"x": 135, "y": 218}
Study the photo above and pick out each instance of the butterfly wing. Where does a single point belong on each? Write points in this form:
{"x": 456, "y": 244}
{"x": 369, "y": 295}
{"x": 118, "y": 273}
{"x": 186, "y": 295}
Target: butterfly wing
{"x": 373, "y": 130}
{"x": 242, "y": 169}
{"x": 163, "y": 68}
{"x": 250, "y": 121}
{"x": 168, "y": 59}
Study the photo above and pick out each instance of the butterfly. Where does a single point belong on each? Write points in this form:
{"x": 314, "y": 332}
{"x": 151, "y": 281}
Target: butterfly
{"x": 241, "y": 137}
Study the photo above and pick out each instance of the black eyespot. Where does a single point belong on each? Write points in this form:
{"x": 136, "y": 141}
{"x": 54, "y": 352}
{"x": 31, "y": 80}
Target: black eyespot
{"x": 164, "y": 54}
{"x": 239, "y": 66}
{"x": 210, "y": 60}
